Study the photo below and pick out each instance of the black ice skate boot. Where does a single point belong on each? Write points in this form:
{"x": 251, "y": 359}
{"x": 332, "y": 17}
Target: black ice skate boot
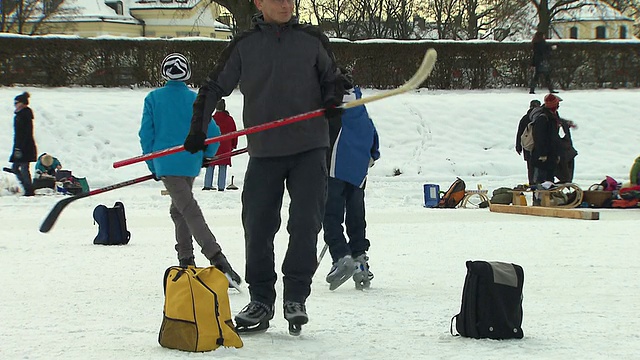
{"x": 296, "y": 314}
{"x": 254, "y": 317}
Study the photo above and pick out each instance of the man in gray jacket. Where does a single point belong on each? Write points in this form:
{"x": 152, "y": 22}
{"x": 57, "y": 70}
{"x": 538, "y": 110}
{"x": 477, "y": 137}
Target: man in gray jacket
{"x": 284, "y": 69}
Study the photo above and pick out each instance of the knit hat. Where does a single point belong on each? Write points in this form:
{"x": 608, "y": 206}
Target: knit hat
{"x": 46, "y": 160}
{"x": 23, "y": 98}
{"x": 221, "y": 105}
{"x": 176, "y": 67}
{"x": 552, "y": 101}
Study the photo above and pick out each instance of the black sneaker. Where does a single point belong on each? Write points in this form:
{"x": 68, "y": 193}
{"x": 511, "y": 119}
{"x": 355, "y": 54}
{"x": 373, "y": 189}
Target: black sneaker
{"x": 296, "y": 314}
{"x": 187, "y": 262}
{"x": 254, "y": 317}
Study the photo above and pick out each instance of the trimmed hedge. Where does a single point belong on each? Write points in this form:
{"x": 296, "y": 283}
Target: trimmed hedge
{"x": 59, "y": 61}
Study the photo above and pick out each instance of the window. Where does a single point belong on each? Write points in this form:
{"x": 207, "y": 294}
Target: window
{"x": 573, "y": 32}
{"x": 601, "y": 32}
{"x": 623, "y": 32}
{"x": 187, "y": 33}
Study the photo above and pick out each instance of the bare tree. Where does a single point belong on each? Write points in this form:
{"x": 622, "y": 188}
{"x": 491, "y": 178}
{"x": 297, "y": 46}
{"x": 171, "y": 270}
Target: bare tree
{"x": 547, "y": 11}
{"x": 481, "y": 17}
{"x": 400, "y": 18}
{"x": 334, "y": 16}
{"x": 448, "y": 17}
{"x": 29, "y": 16}
{"x": 241, "y": 10}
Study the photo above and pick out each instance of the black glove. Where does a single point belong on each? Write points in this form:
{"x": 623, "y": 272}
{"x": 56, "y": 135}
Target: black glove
{"x": 195, "y": 142}
{"x": 17, "y": 153}
{"x": 206, "y": 161}
{"x": 332, "y": 111}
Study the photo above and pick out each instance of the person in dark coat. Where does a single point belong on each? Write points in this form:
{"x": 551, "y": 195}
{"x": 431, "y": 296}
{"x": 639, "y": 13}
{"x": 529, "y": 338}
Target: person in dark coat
{"x": 24, "y": 145}
{"x": 567, "y": 153}
{"x": 284, "y": 69}
{"x": 546, "y": 151}
{"x": 226, "y": 124}
{"x": 521, "y": 127}
{"x": 540, "y": 62}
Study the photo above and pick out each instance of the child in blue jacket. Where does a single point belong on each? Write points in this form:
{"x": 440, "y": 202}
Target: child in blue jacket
{"x": 354, "y": 149}
{"x": 165, "y": 123}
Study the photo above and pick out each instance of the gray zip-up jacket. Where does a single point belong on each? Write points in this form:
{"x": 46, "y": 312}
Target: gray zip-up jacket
{"x": 282, "y": 71}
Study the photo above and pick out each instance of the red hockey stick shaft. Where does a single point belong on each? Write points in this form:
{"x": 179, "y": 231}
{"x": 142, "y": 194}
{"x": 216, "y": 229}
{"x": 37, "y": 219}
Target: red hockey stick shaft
{"x": 227, "y": 136}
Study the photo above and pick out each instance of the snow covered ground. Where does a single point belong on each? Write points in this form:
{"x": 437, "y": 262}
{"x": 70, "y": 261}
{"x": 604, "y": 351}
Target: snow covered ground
{"x": 61, "y": 297}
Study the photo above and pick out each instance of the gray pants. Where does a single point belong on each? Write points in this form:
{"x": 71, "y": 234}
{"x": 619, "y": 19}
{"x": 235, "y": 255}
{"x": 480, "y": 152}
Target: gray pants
{"x": 188, "y": 219}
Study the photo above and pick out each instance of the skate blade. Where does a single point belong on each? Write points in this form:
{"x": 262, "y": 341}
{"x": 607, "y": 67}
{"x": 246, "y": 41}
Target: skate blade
{"x": 233, "y": 284}
{"x": 295, "y": 329}
{"x": 363, "y": 285}
{"x": 252, "y": 329}
{"x": 341, "y": 280}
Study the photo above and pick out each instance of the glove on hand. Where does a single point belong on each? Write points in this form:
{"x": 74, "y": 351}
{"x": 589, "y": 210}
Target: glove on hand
{"x": 331, "y": 111}
{"x": 195, "y": 142}
{"x": 206, "y": 161}
{"x": 17, "y": 153}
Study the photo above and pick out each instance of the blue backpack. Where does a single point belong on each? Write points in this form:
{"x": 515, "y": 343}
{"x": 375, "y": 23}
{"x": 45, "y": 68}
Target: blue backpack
{"x": 112, "y": 225}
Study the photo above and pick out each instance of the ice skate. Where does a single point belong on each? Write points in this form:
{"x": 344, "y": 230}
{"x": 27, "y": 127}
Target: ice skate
{"x": 340, "y": 272}
{"x": 363, "y": 274}
{"x": 296, "y": 314}
{"x": 254, "y": 318}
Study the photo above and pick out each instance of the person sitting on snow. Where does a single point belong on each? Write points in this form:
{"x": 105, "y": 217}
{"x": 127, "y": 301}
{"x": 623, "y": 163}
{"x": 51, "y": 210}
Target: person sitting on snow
{"x": 47, "y": 165}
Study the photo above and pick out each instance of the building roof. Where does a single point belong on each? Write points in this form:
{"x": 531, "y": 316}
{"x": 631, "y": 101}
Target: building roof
{"x": 95, "y": 10}
{"x": 593, "y": 11}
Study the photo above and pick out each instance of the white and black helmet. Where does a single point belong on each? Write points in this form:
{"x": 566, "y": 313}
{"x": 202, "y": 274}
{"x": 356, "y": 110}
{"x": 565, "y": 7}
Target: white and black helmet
{"x": 176, "y": 67}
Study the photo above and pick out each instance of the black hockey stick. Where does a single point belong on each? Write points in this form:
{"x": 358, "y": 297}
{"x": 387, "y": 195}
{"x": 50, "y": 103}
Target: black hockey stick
{"x": 50, "y": 220}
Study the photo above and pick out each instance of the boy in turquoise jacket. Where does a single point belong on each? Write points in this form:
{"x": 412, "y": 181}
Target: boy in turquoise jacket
{"x": 165, "y": 123}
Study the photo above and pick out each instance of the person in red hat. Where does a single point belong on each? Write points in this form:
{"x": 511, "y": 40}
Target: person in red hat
{"x": 545, "y": 154}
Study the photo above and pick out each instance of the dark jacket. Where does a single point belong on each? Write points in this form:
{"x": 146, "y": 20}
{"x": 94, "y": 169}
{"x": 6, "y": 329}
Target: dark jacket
{"x": 522, "y": 125}
{"x": 282, "y": 71}
{"x": 541, "y": 56}
{"x": 226, "y": 124}
{"x": 24, "y": 145}
{"x": 545, "y": 137}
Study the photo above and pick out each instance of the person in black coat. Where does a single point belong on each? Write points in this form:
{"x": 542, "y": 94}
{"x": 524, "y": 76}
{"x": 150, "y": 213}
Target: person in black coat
{"x": 24, "y": 145}
{"x": 540, "y": 62}
{"x": 546, "y": 151}
{"x": 566, "y": 164}
{"x": 521, "y": 127}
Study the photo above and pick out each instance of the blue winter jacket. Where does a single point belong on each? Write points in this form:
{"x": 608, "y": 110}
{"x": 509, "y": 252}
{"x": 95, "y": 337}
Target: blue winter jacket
{"x": 166, "y": 119}
{"x": 355, "y": 145}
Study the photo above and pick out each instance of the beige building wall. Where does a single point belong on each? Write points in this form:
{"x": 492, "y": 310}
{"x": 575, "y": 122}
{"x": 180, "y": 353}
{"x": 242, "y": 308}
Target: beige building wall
{"x": 170, "y": 23}
{"x": 588, "y": 29}
{"x": 164, "y": 23}
{"x": 90, "y": 29}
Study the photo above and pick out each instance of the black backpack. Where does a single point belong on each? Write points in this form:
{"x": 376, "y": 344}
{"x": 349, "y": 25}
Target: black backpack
{"x": 112, "y": 225}
{"x": 491, "y": 301}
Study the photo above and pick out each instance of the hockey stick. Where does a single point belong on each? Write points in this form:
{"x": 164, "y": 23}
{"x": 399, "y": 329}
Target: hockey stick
{"x": 324, "y": 250}
{"x": 53, "y": 215}
{"x": 418, "y": 78}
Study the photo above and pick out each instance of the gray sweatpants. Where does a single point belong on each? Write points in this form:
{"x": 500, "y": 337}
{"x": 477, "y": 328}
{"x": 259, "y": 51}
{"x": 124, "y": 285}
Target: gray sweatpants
{"x": 188, "y": 219}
